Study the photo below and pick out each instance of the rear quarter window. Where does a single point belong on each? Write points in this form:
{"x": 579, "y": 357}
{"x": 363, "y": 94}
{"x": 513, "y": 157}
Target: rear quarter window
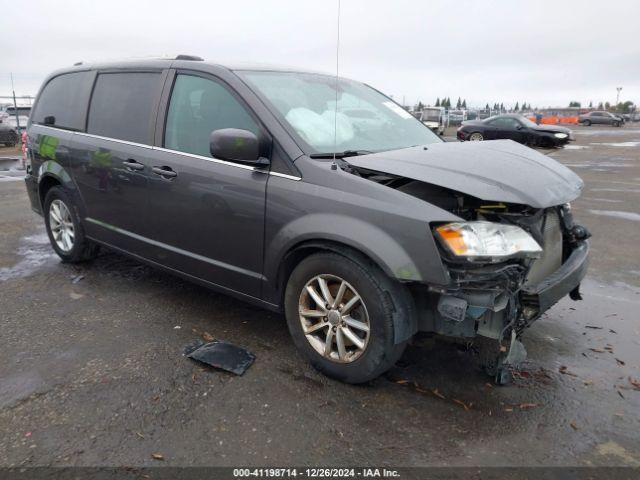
{"x": 123, "y": 104}
{"x": 65, "y": 98}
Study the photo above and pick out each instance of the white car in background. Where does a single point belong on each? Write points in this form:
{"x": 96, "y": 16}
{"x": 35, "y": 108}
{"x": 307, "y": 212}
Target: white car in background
{"x": 12, "y": 122}
{"x": 433, "y": 117}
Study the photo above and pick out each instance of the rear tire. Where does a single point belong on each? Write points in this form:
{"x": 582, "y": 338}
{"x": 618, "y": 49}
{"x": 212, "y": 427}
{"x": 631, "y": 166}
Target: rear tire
{"x": 587, "y": 123}
{"x": 476, "y": 137}
{"x": 374, "y": 351}
{"x": 64, "y": 228}
{"x": 616, "y": 124}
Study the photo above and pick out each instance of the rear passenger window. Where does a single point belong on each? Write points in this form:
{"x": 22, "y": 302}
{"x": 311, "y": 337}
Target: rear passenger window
{"x": 65, "y": 98}
{"x": 197, "y": 107}
{"x": 122, "y": 105}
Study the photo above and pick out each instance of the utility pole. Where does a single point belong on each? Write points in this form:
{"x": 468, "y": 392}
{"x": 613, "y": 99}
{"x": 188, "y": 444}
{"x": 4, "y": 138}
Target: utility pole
{"x": 15, "y": 105}
{"x": 618, "y": 96}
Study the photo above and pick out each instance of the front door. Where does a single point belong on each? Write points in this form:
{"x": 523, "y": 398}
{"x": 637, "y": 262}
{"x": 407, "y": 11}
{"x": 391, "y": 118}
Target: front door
{"x": 206, "y": 216}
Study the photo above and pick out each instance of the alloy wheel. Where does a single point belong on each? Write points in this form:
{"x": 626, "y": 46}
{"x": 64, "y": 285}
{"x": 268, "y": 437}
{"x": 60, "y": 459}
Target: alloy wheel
{"x": 476, "y": 137}
{"x": 334, "y": 318}
{"x": 61, "y": 225}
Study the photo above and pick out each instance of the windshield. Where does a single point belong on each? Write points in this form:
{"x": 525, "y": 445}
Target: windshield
{"x": 366, "y": 120}
{"x": 526, "y": 122}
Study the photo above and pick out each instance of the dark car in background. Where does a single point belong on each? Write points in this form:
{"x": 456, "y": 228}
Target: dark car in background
{"x": 517, "y": 128}
{"x": 600, "y": 118}
{"x": 256, "y": 183}
{"x": 8, "y": 135}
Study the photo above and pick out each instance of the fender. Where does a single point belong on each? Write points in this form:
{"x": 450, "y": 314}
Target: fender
{"x": 378, "y": 245}
{"x": 51, "y": 169}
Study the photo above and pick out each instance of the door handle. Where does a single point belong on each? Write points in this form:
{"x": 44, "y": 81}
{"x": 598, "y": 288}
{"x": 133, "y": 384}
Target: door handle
{"x": 165, "y": 172}
{"x": 131, "y": 164}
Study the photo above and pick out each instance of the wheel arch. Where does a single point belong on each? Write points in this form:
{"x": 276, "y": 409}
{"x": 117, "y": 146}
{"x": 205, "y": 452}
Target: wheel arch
{"x": 46, "y": 183}
{"x": 405, "y": 323}
{"x": 50, "y": 174}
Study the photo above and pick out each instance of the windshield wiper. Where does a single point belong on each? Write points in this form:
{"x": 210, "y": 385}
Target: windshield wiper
{"x": 346, "y": 153}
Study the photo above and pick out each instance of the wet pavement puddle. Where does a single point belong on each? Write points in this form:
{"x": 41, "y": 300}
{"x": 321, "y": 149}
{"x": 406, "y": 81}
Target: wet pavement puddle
{"x": 35, "y": 251}
{"x": 617, "y": 214}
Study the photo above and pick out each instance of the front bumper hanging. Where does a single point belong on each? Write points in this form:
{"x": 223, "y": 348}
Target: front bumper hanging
{"x": 565, "y": 280}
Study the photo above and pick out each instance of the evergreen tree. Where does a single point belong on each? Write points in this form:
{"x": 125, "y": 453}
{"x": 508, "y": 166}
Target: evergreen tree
{"x": 464, "y": 103}
{"x": 590, "y": 104}
{"x": 458, "y": 103}
{"x": 438, "y": 102}
{"x": 600, "y": 106}
{"x": 502, "y": 107}
{"x": 607, "y": 105}
{"x": 517, "y": 107}
{"x": 487, "y": 107}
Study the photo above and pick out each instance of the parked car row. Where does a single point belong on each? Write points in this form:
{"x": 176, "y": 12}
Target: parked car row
{"x": 12, "y": 116}
{"x": 8, "y": 110}
{"x": 12, "y": 126}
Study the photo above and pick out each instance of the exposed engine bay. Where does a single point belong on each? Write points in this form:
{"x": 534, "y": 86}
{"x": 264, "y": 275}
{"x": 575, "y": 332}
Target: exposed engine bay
{"x": 491, "y": 303}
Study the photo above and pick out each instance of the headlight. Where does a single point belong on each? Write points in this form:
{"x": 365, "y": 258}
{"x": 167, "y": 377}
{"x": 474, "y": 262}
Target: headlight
{"x": 487, "y": 241}
{"x": 560, "y": 135}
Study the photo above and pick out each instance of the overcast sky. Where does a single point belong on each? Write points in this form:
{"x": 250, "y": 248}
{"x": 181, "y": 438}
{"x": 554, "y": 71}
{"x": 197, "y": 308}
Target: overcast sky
{"x": 544, "y": 52}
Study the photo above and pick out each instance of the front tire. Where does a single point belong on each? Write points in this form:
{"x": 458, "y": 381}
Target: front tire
{"x": 64, "y": 229}
{"x": 587, "y": 123}
{"x": 340, "y": 313}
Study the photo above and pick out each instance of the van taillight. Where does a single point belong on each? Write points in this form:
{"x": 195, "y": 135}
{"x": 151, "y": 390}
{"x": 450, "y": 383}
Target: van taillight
{"x": 26, "y": 163}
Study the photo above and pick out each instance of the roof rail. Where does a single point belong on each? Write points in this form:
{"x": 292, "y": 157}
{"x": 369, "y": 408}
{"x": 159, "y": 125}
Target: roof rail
{"x": 77, "y": 63}
{"x": 189, "y": 57}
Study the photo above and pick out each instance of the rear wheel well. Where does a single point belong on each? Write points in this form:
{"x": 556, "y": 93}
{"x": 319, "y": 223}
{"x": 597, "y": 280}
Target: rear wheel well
{"x": 45, "y": 185}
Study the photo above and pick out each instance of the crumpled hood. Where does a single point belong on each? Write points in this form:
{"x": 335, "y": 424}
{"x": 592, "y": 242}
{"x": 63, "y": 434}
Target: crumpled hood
{"x": 499, "y": 170}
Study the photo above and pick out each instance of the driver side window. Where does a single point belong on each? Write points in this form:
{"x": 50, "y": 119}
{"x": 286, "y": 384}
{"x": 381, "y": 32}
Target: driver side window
{"x": 197, "y": 107}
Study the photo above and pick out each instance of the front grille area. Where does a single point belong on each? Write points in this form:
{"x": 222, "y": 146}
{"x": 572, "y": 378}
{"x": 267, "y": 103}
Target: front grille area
{"x": 551, "y": 258}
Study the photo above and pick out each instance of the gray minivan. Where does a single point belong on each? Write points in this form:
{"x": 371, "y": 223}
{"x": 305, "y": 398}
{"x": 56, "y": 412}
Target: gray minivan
{"x": 261, "y": 183}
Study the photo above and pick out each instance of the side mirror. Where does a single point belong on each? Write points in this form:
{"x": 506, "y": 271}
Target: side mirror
{"x": 519, "y": 127}
{"x": 49, "y": 120}
{"x": 236, "y": 145}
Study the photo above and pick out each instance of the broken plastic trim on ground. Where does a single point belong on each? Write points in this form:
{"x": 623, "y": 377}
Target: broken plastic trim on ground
{"x": 221, "y": 355}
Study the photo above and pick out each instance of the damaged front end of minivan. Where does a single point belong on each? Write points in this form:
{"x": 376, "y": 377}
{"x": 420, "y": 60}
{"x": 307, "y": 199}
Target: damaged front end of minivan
{"x": 507, "y": 262}
{"x": 538, "y": 257}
